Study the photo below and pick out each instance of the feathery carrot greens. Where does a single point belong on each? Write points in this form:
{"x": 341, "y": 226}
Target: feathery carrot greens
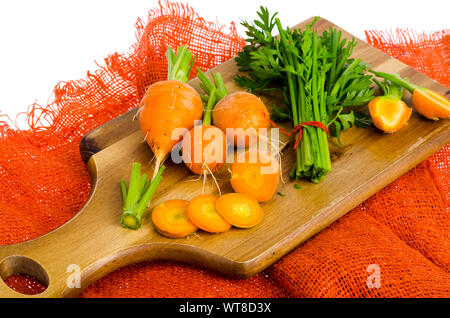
{"x": 318, "y": 80}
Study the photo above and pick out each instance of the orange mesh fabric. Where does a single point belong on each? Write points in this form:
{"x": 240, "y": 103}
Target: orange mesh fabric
{"x": 404, "y": 229}
{"x": 171, "y": 279}
{"x": 336, "y": 263}
{"x": 427, "y": 53}
{"x": 424, "y": 224}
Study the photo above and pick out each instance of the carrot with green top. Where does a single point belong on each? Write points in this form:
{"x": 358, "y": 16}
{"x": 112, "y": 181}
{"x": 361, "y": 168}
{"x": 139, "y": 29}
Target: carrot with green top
{"x": 241, "y": 112}
{"x": 204, "y": 147}
{"x": 169, "y": 106}
{"x": 389, "y": 113}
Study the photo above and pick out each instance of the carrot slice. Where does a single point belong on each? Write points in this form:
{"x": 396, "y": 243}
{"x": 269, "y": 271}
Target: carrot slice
{"x": 255, "y": 173}
{"x": 170, "y": 219}
{"x": 201, "y": 211}
{"x": 240, "y": 210}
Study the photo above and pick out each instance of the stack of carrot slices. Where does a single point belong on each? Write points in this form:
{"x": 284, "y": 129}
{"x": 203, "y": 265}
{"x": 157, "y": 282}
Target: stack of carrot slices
{"x": 180, "y": 218}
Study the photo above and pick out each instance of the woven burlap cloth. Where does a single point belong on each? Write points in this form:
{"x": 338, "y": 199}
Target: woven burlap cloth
{"x": 401, "y": 234}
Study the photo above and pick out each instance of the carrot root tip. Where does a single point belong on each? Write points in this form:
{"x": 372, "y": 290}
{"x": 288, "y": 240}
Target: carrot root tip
{"x": 215, "y": 180}
{"x": 159, "y": 160}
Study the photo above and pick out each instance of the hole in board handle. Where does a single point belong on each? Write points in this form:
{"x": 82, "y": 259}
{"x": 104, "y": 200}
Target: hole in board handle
{"x": 24, "y": 275}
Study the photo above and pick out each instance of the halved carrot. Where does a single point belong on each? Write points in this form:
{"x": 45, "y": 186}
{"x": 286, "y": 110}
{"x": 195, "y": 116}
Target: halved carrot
{"x": 240, "y": 210}
{"x": 255, "y": 173}
{"x": 201, "y": 211}
{"x": 389, "y": 113}
{"x": 170, "y": 219}
{"x": 430, "y": 104}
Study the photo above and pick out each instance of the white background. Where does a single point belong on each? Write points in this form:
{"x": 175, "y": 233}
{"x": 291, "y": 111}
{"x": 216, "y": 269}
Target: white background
{"x": 46, "y": 41}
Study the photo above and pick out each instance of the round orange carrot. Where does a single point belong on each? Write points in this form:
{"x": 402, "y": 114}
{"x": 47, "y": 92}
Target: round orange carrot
{"x": 255, "y": 173}
{"x": 166, "y": 106}
{"x": 170, "y": 219}
{"x": 245, "y": 113}
{"x": 201, "y": 211}
{"x": 240, "y": 210}
{"x": 170, "y": 105}
{"x": 430, "y": 104}
{"x": 204, "y": 149}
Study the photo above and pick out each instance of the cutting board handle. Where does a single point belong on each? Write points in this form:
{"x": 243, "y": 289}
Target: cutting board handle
{"x": 93, "y": 244}
{"x": 68, "y": 279}
{"x": 49, "y": 258}
{"x": 56, "y": 259}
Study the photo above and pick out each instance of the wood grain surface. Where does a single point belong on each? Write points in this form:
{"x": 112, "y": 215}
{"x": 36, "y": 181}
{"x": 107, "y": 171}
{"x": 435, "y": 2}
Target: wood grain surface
{"x": 94, "y": 242}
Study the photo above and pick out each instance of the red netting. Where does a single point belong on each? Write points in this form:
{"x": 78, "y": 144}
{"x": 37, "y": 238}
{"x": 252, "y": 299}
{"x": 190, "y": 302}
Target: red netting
{"x": 402, "y": 231}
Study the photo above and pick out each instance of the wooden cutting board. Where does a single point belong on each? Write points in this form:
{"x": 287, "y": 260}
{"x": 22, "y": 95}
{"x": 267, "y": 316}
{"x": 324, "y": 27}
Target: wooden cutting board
{"x": 94, "y": 242}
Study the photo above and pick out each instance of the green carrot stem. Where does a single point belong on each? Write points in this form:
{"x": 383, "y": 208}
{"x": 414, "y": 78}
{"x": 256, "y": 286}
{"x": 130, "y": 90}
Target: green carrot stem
{"x": 391, "y": 90}
{"x": 215, "y": 90}
{"x": 287, "y": 56}
{"x": 204, "y": 98}
{"x": 134, "y": 187}
{"x": 221, "y": 90}
{"x": 191, "y": 66}
{"x": 326, "y": 160}
{"x": 323, "y": 98}
{"x": 344, "y": 57}
{"x": 179, "y": 64}
{"x": 396, "y": 79}
{"x": 342, "y": 80}
{"x": 131, "y": 217}
{"x": 129, "y": 220}
{"x": 143, "y": 184}
{"x": 395, "y": 91}
{"x": 145, "y": 200}
{"x": 207, "y": 117}
{"x": 304, "y": 153}
{"x": 334, "y": 46}
{"x": 306, "y": 156}
{"x": 318, "y": 146}
{"x": 382, "y": 86}
{"x": 207, "y": 85}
